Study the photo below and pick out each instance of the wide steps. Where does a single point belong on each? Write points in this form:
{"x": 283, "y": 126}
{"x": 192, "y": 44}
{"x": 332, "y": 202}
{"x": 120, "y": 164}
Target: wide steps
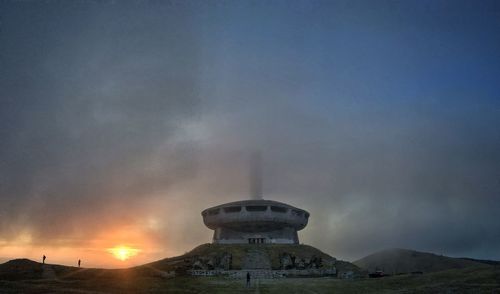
{"x": 256, "y": 259}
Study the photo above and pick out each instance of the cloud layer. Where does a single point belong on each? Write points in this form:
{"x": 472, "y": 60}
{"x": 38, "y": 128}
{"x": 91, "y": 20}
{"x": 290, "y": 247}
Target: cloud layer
{"x": 129, "y": 119}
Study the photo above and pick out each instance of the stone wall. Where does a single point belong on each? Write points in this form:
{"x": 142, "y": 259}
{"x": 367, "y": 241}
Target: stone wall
{"x": 213, "y": 262}
{"x": 265, "y": 274}
{"x": 289, "y": 261}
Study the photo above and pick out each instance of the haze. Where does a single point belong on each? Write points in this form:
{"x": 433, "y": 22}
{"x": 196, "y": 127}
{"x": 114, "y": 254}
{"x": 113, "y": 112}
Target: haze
{"x": 120, "y": 122}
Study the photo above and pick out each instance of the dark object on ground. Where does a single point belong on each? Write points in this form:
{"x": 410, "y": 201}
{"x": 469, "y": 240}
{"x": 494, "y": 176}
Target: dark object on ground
{"x": 377, "y": 274}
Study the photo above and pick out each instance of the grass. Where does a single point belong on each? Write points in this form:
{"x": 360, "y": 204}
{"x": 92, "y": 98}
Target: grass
{"x": 25, "y": 276}
{"x": 238, "y": 252}
{"x": 472, "y": 280}
{"x": 394, "y": 261}
{"x": 485, "y": 279}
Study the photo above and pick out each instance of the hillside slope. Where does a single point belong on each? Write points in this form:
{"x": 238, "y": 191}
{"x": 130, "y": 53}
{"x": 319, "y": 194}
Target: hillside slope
{"x": 204, "y": 257}
{"x": 467, "y": 280}
{"x": 394, "y": 261}
{"x": 212, "y": 255}
{"x": 21, "y": 268}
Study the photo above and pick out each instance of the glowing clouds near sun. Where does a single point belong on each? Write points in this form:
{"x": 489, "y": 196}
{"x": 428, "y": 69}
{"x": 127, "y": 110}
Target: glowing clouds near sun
{"x": 123, "y": 252}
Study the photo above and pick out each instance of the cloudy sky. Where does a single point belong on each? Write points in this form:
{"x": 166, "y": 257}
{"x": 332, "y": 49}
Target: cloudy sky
{"x": 121, "y": 121}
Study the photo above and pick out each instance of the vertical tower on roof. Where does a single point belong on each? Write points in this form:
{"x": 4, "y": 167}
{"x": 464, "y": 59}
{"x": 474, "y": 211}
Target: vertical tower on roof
{"x": 256, "y": 176}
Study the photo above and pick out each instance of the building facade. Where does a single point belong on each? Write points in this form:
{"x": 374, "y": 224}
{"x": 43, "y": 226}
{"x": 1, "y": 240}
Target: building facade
{"x": 255, "y": 222}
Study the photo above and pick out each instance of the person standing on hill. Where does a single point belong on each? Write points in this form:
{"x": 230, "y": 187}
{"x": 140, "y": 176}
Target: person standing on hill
{"x": 43, "y": 260}
{"x": 79, "y": 262}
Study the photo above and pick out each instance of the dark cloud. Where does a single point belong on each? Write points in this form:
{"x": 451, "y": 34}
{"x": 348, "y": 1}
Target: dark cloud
{"x": 91, "y": 110}
{"x": 375, "y": 182}
{"x": 150, "y": 110}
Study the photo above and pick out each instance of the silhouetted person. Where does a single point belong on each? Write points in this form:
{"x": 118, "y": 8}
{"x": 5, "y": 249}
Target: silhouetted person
{"x": 43, "y": 261}
{"x": 79, "y": 262}
{"x": 248, "y": 279}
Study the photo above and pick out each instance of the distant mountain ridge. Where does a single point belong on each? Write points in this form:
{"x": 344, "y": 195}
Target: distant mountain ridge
{"x": 395, "y": 261}
{"x": 485, "y": 261}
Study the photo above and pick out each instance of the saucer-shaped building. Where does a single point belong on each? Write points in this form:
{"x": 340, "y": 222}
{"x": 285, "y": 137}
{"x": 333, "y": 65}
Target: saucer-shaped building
{"x": 255, "y": 222}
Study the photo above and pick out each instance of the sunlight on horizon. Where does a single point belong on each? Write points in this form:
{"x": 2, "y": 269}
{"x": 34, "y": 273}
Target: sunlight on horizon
{"x": 123, "y": 252}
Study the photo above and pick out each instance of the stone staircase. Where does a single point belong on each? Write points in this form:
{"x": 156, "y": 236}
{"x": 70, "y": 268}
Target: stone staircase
{"x": 255, "y": 259}
{"x": 257, "y": 274}
{"x": 265, "y": 273}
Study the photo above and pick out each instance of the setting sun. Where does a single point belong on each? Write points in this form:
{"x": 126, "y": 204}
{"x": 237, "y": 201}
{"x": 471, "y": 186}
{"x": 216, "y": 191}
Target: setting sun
{"x": 123, "y": 252}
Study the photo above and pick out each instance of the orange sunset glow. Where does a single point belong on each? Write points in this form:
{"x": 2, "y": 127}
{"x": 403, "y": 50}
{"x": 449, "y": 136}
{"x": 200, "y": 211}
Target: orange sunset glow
{"x": 123, "y": 252}
{"x": 116, "y": 246}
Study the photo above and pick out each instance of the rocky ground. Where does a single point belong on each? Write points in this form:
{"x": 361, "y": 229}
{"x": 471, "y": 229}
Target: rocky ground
{"x": 263, "y": 256}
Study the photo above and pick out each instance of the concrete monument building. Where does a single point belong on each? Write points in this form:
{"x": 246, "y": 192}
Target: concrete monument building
{"x": 255, "y": 221}
{"x": 244, "y": 232}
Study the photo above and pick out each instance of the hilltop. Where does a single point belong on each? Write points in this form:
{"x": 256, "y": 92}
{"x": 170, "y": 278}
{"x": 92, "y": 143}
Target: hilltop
{"x": 20, "y": 268}
{"x": 235, "y": 257}
{"x": 396, "y": 261}
{"x": 204, "y": 257}
{"x": 484, "y": 279}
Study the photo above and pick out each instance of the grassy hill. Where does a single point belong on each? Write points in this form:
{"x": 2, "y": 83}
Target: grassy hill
{"x": 28, "y": 269}
{"x": 394, "y": 261}
{"x": 27, "y": 276}
{"x": 485, "y": 279}
{"x": 485, "y": 261}
{"x": 20, "y": 268}
{"x": 238, "y": 251}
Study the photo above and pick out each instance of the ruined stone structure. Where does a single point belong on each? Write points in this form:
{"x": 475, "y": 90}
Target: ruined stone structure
{"x": 255, "y": 222}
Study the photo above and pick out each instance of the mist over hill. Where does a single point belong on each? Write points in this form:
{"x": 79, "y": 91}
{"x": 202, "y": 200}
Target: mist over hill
{"x": 394, "y": 261}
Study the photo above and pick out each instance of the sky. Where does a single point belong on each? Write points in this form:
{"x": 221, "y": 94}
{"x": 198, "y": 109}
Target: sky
{"x": 122, "y": 121}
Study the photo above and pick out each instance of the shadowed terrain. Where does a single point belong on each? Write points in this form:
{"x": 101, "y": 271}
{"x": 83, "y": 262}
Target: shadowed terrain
{"x": 27, "y": 276}
{"x": 239, "y": 252}
{"x": 396, "y": 261}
